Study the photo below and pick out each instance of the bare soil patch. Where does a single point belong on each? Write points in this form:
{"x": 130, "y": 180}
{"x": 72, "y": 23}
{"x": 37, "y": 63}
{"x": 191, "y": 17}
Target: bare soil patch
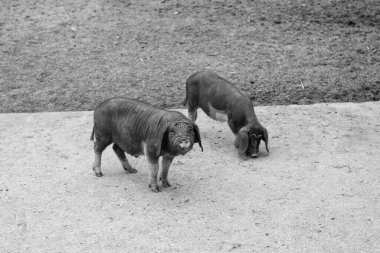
{"x": 70, "y": 55}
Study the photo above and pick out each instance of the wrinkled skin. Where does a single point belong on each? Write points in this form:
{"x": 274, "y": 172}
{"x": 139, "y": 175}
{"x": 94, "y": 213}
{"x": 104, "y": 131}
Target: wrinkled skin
{"x": 181, "y": 138}
{"x": 222, "y": 101}
{"x": 138, "y": 129}
{"x": 248, "y": 140}
{"x": 253, "y": 145}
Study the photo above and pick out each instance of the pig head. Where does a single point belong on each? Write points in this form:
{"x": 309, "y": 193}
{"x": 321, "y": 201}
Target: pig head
{"x": 178, "y": 137}
{"x": 248, "y": 140}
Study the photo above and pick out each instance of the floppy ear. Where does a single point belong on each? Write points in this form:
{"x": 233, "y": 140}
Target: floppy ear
{"x": 197, "y": 135}
{"x": 162, "y": 139}
{"x": 265, "y": 139}
{"x": 242, "y": 140}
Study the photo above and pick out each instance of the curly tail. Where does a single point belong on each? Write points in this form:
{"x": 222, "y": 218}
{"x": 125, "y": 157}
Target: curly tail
{"x": 92, "y": 134}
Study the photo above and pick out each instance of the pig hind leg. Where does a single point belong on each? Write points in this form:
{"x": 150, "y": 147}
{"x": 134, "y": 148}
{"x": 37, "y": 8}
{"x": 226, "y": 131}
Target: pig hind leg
{"x": 192, "y": 100}
{"x": 123, "y": 159}
{"x": 192, "y": 109}
{"x": 193, "y": 114}
{"x": 99, "y": 147}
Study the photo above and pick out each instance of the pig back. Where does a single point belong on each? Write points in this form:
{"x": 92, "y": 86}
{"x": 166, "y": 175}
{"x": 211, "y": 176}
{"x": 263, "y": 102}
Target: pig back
{"x": 217, "y": 92}
{"x": 128, "y": 123}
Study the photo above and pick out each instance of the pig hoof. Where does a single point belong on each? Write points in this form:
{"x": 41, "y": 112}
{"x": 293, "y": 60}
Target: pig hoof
{"x": 243, "y": 157}
{"x": 165, "y": 184}
{"x": 130, "y": 170}
{"x": 154, "y": 188}
{"x": 98, "y": 174}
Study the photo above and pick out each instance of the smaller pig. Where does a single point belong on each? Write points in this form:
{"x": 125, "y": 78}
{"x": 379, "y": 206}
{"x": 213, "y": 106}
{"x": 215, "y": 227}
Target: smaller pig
{"x": 222, "y": 101}
{"x": 138, "y": 128}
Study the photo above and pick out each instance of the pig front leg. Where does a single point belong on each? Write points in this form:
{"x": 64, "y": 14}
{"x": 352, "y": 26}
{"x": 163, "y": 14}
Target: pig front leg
{"x": 153, "y": 168}
{"x": 150, "y": 153}
{"x": 166, "y": 162}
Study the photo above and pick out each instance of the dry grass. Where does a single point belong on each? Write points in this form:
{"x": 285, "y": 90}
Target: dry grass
{"x": 70, "y": 55}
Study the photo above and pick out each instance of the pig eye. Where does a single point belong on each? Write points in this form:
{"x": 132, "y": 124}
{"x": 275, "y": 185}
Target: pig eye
{"x": 190, "y": 130}
{"x": 256, "y": 136}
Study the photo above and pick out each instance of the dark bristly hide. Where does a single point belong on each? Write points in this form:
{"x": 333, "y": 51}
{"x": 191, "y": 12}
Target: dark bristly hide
{"x": 138, "y": 128}
{"x": 222, "y": 101}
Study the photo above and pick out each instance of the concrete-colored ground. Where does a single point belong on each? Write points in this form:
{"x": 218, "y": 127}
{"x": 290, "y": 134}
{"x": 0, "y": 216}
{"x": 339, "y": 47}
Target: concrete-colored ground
{"x": 317, "y": 191}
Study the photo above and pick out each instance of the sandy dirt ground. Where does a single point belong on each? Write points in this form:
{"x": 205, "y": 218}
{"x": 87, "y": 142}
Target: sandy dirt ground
{"x": 317, "y": 191}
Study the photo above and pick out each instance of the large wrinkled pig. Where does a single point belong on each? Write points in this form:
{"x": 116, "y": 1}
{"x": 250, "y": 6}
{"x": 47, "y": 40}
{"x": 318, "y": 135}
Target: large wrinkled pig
{"x": 222, "y": 101}
{"x": 138, "y": 128}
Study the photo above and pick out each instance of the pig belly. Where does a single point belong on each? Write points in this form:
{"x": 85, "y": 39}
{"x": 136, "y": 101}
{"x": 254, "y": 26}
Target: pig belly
{"x": 218, "y": 115}
{"x": 132, "y": 149}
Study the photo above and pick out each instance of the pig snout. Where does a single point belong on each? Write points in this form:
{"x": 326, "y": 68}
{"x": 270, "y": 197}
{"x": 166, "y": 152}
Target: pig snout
{"x": 184, "y": 143}
{"x": 253, "y": 152}
{"x": 253, "y": 149}
{"x": 254, "y": 155}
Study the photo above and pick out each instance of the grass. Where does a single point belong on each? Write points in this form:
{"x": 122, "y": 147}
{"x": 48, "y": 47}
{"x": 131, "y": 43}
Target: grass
{"x": 71, "y": 55}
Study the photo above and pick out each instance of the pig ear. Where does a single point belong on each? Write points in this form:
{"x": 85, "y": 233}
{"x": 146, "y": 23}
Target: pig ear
{"x": 242, "y": 140}
{"x": 162, "y": 139}
{"x": 265, "y": 139}
{"x": 197, "y": 136}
